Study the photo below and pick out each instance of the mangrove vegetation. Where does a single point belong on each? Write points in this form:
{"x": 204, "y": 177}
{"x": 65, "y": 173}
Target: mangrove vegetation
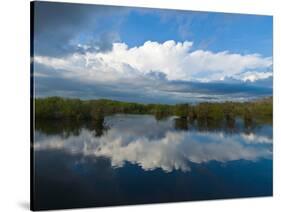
{"x": 58, "y": 108}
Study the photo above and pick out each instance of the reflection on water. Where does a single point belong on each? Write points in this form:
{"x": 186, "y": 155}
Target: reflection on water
{"x": 171, "y": 151}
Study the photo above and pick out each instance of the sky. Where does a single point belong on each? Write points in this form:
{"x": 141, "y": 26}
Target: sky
{"x": 150, "y": 55}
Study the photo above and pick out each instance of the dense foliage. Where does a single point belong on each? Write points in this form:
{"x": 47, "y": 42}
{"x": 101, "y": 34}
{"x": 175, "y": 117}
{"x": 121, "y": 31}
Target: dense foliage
{"x": 62, "y": 108}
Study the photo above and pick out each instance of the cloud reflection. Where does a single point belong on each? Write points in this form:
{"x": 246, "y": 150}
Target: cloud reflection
{"x": 168, "y": 149}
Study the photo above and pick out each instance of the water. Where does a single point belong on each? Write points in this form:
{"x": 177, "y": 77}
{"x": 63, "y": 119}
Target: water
{"x": 136, "y": 159}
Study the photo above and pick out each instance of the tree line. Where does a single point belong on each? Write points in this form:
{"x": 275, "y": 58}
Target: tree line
{"x": 77, "y": 109}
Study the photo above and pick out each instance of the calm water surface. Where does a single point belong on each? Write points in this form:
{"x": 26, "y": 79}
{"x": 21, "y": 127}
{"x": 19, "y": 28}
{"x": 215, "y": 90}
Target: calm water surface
{"x": 135, "y": 159}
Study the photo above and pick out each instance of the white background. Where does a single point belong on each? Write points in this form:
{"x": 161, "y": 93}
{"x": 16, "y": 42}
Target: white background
{"x": 14, "y": 105}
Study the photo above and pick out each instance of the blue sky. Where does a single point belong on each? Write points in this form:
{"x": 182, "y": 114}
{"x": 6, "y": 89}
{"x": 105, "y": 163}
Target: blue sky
{"x": 212, "y": 31}
{"x": 150, "y": 55}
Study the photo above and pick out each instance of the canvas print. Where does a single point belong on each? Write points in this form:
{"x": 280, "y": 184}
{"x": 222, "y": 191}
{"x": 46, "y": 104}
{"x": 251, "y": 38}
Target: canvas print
{"x": 142, "y": 105}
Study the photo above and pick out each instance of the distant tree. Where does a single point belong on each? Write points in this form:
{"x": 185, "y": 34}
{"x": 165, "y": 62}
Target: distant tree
{"x": 181, "y": 110}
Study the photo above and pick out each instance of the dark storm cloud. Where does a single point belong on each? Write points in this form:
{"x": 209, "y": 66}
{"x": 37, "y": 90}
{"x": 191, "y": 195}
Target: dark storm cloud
{"x": 154, "y": 87}
{"x": 259, "y": 87}
{"x": 58, "y": 26}
{"x": 59, "y": 86}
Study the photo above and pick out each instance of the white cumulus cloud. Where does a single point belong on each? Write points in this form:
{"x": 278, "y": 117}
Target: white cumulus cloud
{"x": 254, "y": 76}
{"x": 176, "y": 60}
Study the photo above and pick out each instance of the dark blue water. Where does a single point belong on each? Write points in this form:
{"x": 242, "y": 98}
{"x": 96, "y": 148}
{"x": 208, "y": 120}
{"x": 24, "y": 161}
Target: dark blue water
{"x": 135, "y": 159}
